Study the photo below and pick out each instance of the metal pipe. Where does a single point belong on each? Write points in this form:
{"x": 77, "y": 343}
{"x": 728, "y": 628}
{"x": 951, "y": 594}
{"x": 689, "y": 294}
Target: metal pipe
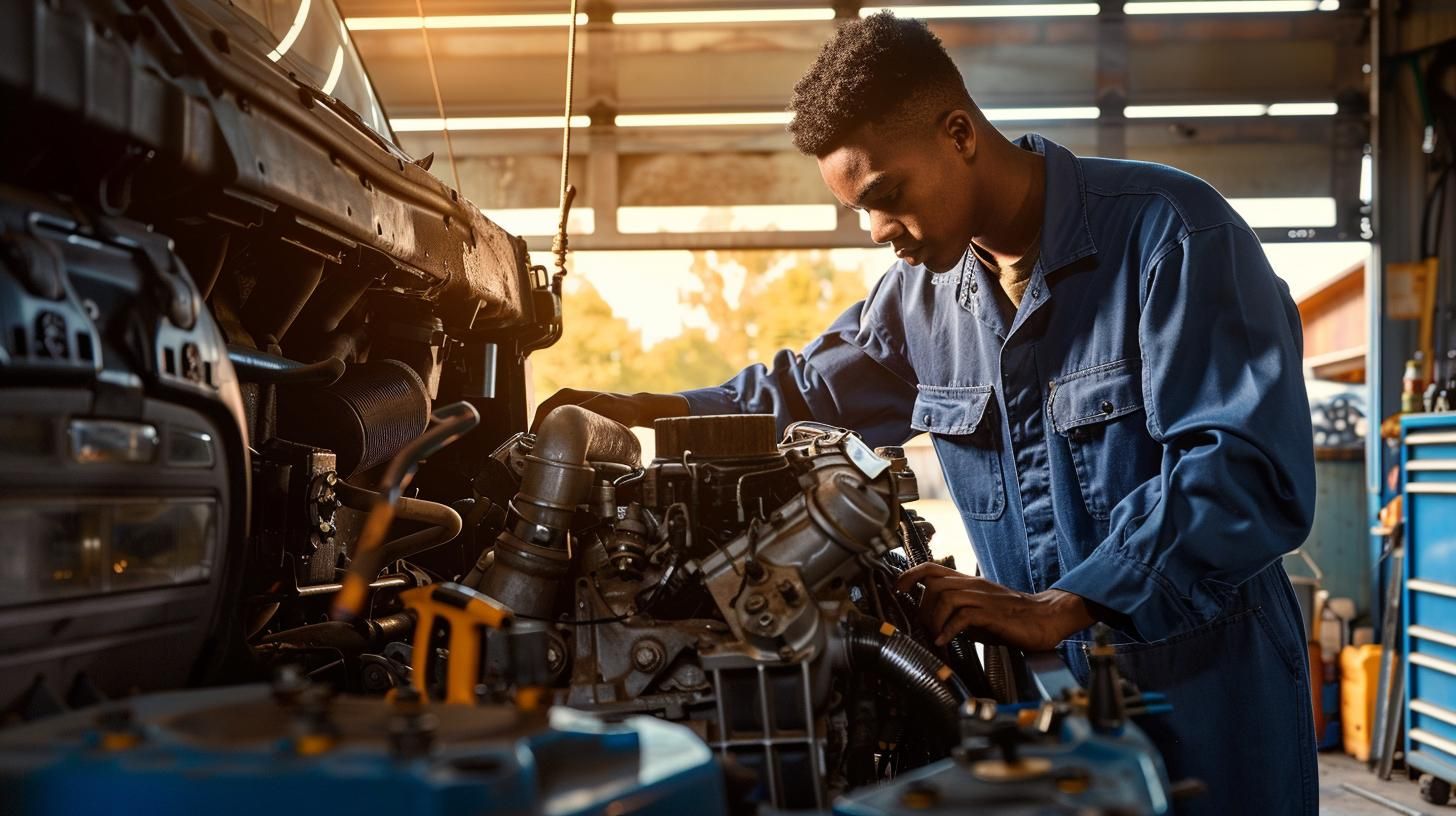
{"x": 1381, "y": 800}
{"x": 529, "y": 560}
{"x": 348, "y": 637}
{"x": 384, "y": 582}
{"x": 261, "y": 367}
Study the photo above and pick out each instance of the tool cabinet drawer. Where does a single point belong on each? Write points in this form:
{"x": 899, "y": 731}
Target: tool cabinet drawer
{"x": 1428, "y": 482}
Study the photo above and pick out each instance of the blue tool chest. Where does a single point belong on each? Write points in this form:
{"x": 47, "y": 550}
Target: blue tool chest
{"x": 1428, "y": 481}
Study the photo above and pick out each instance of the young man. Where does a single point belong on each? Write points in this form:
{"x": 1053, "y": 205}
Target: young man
{"x": 1111, "y": 374}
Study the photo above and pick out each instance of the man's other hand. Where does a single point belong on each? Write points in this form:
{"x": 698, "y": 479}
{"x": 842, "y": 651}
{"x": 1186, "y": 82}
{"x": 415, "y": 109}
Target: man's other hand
{"x": 628, "y": 409}
{"x": 954, "y": 602}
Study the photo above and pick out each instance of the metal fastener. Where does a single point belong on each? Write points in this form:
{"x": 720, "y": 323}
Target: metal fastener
{"x": 647, "y": 656}
{"x": 1107, "y": 407}
{"x": 756, "y": 603}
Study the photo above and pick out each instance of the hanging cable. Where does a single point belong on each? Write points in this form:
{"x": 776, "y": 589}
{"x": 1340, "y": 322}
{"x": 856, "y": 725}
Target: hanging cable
{"x": 568, "y": 193}
{"x": 439, "y": 100}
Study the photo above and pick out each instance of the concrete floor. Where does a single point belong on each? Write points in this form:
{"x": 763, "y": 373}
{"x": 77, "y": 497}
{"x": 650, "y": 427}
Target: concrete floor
{"x": 1338, "y": 769}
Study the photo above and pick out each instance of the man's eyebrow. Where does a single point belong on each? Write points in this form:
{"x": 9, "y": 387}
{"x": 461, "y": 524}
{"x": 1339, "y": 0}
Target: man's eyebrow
{"x": 867, "y": 190}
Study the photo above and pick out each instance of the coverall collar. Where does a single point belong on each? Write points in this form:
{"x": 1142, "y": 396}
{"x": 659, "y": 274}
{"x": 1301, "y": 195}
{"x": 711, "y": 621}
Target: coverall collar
{"x": 1065, "y": 233}
{"x": 1066, "y": 237}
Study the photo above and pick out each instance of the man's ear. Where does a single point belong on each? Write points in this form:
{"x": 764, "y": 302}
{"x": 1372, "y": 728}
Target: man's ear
{"x": 961, "y": 128}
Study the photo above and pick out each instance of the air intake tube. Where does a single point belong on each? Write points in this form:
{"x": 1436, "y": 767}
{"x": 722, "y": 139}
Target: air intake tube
{"x": 530, "y": 559}
{"x": 878, "y": 647}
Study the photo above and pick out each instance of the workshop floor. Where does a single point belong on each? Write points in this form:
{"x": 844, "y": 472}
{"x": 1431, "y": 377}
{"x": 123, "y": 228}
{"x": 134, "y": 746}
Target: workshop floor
{"x": 1338, "y": 769}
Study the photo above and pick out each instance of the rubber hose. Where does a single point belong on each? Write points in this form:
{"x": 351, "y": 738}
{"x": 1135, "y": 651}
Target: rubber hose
{"x": 916, "y": 547}
{"x": 346, "y": 637}
{"x": 445, "y": 522}
{"x": 257, "y": 366}
{"x": 451, "y": 422}
{"x": 879, "y": 647}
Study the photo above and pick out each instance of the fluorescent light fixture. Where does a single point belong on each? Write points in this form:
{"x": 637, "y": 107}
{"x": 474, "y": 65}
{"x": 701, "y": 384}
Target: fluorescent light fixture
{"x": 710, "y": 16}
{"x": 1038, "y": 114}
{"x": 1241, "y": 109}
{"x": 988, "y": 10}
{"x": 457, "y": 123}
{"x": 1286, "y": 212}
{"x": 543, "y": 220}
{"x": 1191, "y": 111}
{"x": 783, "y": 117}
{"x": 749, "y": 217}
{"x": 1304, "y": 109}
{"x": 1219, "y": 6}
{"x": 703, "y": 119}
{"x": 291, "y": 35}
{"x": 462, "y": 21}
{"x": 1329, "y": 5}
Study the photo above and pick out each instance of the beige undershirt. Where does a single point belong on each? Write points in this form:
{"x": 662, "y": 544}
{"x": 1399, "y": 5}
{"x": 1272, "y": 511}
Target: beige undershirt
{"x": 1016, "y": 276}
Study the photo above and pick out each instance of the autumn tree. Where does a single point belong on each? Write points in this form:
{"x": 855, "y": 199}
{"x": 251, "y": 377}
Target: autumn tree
{"x": 746, "y": 306}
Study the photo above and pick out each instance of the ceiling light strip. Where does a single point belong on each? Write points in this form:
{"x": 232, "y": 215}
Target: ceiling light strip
{"x": 1192, "y": 111}
{"x": 1222, "y": 6}
{"x": 462, "y": 21}
{"x": 983, "y": 11}
{"x": 716, "y": 16}
{"x": 703, "y": 119}
{"x": 1244, "y": 110}
{"x": 459, "y": 123}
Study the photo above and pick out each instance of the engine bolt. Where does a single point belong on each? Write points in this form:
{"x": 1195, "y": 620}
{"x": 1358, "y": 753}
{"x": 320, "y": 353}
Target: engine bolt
{"x": 755, "y": 604}
{"x": 766, "y": 621}
{"x": 647, "y": 656}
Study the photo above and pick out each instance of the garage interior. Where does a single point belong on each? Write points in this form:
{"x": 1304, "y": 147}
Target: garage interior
{"x": 284, "y": 283}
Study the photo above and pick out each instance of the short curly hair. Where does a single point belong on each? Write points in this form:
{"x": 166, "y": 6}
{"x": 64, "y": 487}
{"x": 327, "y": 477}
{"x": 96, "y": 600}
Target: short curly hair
{"x": 876, "y": 69}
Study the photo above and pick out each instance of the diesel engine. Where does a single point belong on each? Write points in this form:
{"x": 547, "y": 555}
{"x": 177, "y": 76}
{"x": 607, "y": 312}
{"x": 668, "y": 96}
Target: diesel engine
{"x": 737, "y": 585}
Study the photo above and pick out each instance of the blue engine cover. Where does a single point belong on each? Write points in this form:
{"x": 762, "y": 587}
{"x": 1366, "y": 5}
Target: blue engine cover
{"x": 1080, "y": 771}
{"x": 236, "y": 752}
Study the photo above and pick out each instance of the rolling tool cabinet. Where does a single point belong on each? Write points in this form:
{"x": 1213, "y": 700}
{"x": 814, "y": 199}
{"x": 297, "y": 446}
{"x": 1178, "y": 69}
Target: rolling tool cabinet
{"x": 1428, "y": 608}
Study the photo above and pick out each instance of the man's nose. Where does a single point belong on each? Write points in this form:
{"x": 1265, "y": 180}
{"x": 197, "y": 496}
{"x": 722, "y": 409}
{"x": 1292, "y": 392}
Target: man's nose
{"x": 884, "y": 229}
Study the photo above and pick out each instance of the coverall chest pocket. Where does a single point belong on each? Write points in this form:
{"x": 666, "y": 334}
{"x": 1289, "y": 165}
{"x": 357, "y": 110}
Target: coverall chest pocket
{"x": 961, "y": 422}
{"x": 1099, "y": 411}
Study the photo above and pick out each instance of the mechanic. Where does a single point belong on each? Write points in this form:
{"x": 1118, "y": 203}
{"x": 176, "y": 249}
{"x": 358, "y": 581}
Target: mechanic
{"x": 1111, "y": 375}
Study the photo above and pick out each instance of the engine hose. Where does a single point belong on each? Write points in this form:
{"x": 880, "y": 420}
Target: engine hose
{"x": 917, "y": 549}
{"x": 257, "y": 366}
{"x": 961, "y": 649}
{"x": 345, "y": 637}
{"x": 445, "y": 522}
{"x": 999, "y": 675}
{"x": 531, "y": 559}
{"x": 450, "y": 423}
{"x": 877, "y": 646}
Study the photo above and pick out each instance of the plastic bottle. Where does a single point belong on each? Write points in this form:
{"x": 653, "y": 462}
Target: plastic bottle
{"x": 1410, "y": 392}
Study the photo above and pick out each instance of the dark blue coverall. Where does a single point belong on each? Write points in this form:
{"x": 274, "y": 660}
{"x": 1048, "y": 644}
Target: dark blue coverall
{"x": 1138, "y": 433}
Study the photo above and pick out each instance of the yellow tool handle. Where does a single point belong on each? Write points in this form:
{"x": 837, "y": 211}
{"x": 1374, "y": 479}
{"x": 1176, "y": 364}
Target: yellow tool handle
{"x": 464, "y": 609}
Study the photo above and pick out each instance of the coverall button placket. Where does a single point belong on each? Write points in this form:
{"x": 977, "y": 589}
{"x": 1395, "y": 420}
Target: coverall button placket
{"x": 1023, "y": 396}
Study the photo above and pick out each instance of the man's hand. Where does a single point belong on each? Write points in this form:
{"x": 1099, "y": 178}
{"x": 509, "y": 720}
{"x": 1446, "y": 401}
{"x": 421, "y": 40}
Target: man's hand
{"x": 628, "y": 409}
{"x": 994, "y": 614}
